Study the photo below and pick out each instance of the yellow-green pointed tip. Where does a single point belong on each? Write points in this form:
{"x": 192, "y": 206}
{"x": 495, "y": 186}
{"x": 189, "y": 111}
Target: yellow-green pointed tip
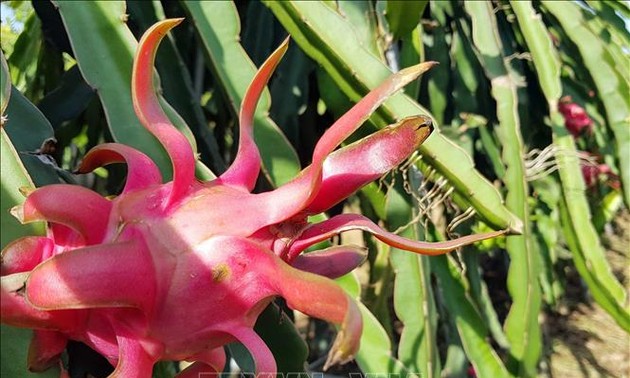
{"x": 411, "y": 73}
{"x": 162, "y": 27}
{"x": 26, "y": 190}
{"x": 515, "y": 228}
{"x": 340, "y": 353}
{"x": 286, "y": 41}
{"x": 282, "y": 48}
{"x": 18, "y": 212}
{"x": 171, "y": 22}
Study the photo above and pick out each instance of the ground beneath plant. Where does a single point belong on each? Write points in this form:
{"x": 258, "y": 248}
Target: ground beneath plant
{"x": 584, "y": 340}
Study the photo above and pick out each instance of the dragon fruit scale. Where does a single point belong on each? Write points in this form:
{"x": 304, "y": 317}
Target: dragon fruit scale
{"x": 174, "y": 271}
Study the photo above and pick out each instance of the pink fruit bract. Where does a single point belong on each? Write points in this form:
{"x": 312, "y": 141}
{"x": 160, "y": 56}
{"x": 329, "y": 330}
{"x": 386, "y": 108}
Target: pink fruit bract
{"x": 174, "y": 271}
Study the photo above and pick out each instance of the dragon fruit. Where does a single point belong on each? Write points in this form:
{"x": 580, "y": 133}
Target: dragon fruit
{"x": 576, "y": 118}
{"x": 174, "y": 271}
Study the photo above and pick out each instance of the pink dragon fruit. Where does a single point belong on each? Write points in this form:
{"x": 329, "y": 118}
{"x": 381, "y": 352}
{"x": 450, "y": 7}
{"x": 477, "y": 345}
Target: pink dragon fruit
{"x": 593, "y": 172}
{"x": 174, "y": 271}
{"x": 576, "y": 118}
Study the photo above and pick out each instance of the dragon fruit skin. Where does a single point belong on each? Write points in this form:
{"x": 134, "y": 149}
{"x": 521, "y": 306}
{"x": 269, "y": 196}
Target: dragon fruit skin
{"x": 174, "y": 271}
{"x": 576, "y": 118}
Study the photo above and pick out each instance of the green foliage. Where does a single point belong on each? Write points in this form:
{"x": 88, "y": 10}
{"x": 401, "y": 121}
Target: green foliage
{"x": 521, "y": 323}
{"x": 14, "y": 16}
{"x": 501, "y": 158}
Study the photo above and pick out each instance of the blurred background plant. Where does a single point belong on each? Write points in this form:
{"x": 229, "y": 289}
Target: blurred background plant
{"x": 532, "y": 104}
